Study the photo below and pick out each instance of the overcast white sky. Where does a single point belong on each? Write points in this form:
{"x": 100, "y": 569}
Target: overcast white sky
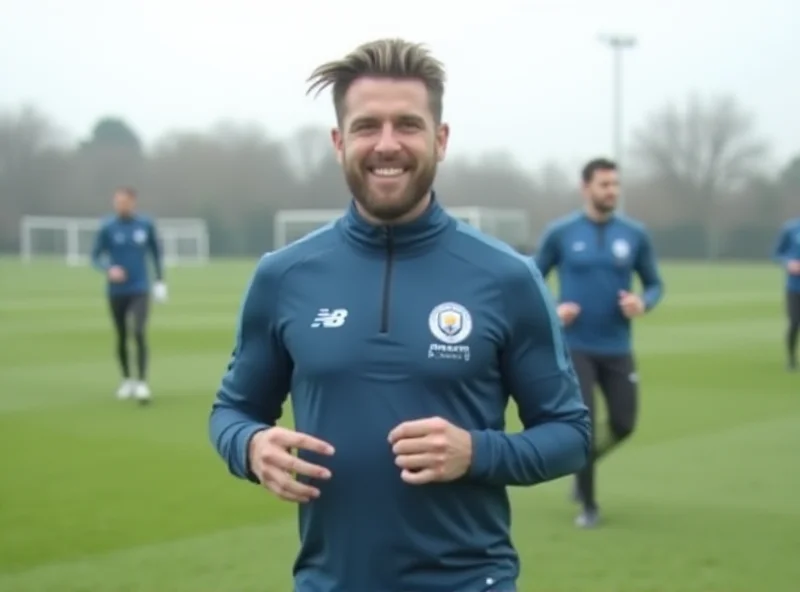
{"x": 526, "y": 76}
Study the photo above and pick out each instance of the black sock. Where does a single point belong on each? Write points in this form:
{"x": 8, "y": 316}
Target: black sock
{"x": 141, "y": 355}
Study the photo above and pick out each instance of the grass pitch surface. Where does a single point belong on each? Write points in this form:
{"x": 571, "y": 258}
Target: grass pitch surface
{"x": 99, "y": 495}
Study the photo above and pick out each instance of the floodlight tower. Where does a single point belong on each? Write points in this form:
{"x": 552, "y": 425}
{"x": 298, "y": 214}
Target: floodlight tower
{"x": 618, "y": 44}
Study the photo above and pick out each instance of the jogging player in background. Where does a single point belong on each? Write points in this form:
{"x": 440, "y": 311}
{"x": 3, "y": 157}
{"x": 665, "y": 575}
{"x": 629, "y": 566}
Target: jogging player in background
{"x": 787, "y": 253}
{"x": 121, "y": 250}
{"x": 401, "y": 368}
{"x": 597, "y": 253}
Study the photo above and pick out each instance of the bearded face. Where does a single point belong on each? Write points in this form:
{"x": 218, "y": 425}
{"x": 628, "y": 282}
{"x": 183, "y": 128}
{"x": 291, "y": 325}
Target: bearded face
{"x": 602, "y": 191}
{"x": 389, "y": 146}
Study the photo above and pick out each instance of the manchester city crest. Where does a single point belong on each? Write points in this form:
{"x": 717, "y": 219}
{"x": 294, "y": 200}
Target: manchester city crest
{"x": 450, "y": 323}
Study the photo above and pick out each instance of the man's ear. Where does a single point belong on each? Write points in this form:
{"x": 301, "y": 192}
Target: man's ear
{"x": 338, "y": 144}
{"x": 442, "y": 138}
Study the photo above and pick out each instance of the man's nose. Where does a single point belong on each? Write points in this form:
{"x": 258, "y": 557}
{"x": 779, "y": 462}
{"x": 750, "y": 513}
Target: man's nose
{"x": 387, "y": 142}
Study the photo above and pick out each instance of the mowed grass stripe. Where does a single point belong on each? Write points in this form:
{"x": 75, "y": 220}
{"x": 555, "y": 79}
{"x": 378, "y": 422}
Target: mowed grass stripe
{"x": 239, "y": 558}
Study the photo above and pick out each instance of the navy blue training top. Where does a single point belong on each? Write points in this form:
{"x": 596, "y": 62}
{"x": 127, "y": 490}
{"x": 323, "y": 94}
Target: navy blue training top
{"x": 369, "y": 327}
{"x": 127, "y": 242}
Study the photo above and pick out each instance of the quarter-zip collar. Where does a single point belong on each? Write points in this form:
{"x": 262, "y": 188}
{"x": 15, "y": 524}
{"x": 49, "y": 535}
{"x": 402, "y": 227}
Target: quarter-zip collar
{"x": 417, "y": 235}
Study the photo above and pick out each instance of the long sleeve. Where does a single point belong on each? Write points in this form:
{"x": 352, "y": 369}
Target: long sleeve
{"x": 546, "y": 256}
{"x": 99, "y": 249}
{"x": 256, "y": 384}
{"x": 647, "y": 270}
{"x": 538, "y": 373}
{"x": 154, "y": 245}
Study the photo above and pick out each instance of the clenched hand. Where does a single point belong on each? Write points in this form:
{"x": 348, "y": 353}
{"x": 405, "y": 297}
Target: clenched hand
{"x": 567, "y": 312}
{"x": 429, "y": 450}
{"x": 631, "y": 304}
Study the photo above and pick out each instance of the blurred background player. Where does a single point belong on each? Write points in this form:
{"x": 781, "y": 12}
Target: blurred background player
{"x": 597, "y": 253}
{"x": 787, "y": 252}
{"x": 120, "y": 250}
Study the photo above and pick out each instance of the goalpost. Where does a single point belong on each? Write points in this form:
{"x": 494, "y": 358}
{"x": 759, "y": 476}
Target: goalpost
{"x": 291, "y": 225}
{"x": 184, "y": 241}
{"x": 510, "y": 225}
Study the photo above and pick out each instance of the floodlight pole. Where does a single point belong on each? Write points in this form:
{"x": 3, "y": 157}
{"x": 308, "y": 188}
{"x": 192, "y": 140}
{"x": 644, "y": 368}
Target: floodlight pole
{"x": 618, "y": 44}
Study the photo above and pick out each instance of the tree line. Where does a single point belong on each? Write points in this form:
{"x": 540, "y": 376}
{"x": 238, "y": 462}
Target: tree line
{"x": 696, "y": 174}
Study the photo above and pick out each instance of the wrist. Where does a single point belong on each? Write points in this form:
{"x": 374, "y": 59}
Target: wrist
{"x": 250, "y": 442}
{"x": 480, "y": 461}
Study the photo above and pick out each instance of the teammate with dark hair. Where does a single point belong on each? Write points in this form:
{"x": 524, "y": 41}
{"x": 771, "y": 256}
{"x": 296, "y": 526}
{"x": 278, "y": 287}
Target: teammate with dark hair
{"x": 597, "y": 252}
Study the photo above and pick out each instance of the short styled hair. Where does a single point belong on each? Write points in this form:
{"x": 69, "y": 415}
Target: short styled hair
{"x": 128, "y": 190}
{"x": 382, "y": 58}
{"x": 597, "y": 164}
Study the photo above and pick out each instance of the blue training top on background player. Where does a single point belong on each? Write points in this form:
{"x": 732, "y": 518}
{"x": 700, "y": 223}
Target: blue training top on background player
{"x": 121, "y": 246}
{"x": 126, "y": 242}
{"x": 596, "y": 261}
{"x": 787, "y": 248}
{"x": 787, "y": 253}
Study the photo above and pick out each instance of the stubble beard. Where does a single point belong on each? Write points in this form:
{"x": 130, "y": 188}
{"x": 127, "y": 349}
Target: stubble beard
{"x": 603, "y": 207}
{"x": 420, "y": 183}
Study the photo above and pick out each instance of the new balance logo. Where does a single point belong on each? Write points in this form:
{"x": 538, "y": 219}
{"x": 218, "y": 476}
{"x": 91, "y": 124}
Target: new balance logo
{"x": 330, "y": 319}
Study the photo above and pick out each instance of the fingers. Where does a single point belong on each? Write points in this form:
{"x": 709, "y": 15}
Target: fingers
{"x": 278, "y": 470}
{"x": 420, "y": 477}
{"x": 300, "y": 467}
{"x": 300, "y": 441}
{"x": 420, "y": 449}
{"x": 283, "y": 460}
{"x": 430, "y": 443}
{"x": 417, "y": 429}
{"x": 415, "y": 462}
{"x": 276, "y": 466}
{"x": 286, "y": 487}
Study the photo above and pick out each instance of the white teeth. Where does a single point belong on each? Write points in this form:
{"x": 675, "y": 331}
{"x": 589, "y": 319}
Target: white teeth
{"x": 388, "y": 172}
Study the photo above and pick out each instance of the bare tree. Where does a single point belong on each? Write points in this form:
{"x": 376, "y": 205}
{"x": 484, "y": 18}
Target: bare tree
{"x": 308, "y": 147}
{"x": 236, "y": 175}
{"x": 704, "y": 152}
{"x": 34, "y": 166}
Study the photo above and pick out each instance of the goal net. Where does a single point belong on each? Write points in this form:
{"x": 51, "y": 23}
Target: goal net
{"x": 509, "y": 225}
{"x": 184, "y": 241}
{"x": 292, "y": 225}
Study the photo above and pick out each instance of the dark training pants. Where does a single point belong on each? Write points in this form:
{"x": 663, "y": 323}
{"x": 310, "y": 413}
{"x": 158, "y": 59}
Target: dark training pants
{"x": 616, "y": 377}
{"x": 793, "y": 314}
{"x": 135, "y": 306}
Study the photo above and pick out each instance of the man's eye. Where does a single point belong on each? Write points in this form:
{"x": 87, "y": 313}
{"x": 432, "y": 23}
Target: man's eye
{"x": 363, "y": 126}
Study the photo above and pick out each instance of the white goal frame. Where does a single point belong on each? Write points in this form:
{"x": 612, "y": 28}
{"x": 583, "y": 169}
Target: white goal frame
{"x": 488, "y": 220}
{"x": 492, "y": 220}
{"x": 301, "y": 216}
{"x": 170, "y": 231}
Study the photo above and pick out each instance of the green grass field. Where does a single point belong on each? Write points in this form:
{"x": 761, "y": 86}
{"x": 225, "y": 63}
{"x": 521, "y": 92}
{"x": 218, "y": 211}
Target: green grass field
{"x": 98, "y": 495}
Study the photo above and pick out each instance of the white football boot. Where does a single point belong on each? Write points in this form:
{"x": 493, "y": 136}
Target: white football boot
{"x": 141, "y": 392}
{"x": 126, "y": 389}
